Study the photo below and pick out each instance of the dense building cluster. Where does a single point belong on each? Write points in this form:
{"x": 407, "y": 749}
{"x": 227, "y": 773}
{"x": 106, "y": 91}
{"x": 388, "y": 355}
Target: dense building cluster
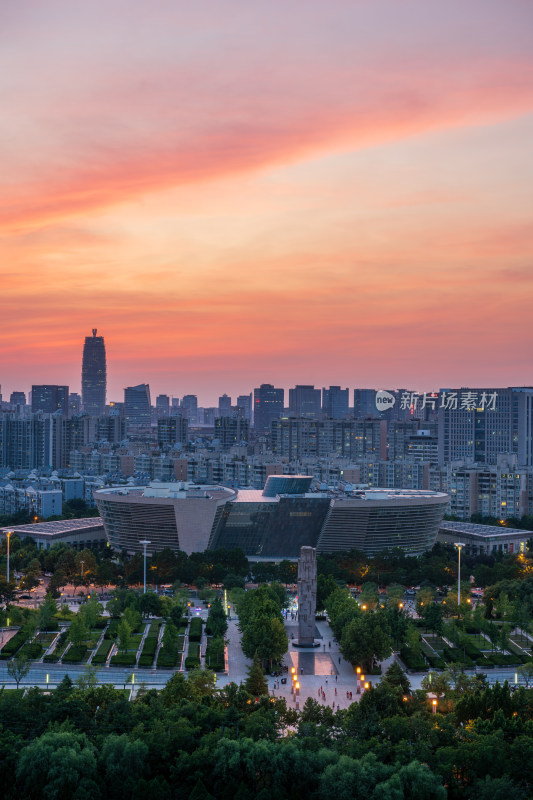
{"x": 475, "y": 444}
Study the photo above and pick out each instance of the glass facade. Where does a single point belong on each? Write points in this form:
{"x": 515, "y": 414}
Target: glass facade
{"x": 276, "y": 528}
{"x": 94, "y": 375}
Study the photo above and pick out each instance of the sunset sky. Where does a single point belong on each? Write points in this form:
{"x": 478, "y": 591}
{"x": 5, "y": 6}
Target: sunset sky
{"x": 237, "y": 191}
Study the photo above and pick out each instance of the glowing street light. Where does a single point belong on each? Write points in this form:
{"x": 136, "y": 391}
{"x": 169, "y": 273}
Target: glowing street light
{"x": 8, "y": 535}
{"x": 459, "y": 545}
{"x": 434, "y": 704}
{"x": 144, "y": 543}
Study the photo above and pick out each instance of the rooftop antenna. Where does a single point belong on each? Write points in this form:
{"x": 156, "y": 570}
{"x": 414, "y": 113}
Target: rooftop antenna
{"x": 94, "y": 331}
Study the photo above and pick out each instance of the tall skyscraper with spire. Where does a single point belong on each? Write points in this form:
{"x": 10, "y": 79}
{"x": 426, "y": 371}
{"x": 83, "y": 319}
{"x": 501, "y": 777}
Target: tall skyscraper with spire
{"x": 93, "y": 375}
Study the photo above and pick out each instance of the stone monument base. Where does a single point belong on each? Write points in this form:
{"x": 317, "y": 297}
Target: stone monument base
{"x": 309, "y": 646}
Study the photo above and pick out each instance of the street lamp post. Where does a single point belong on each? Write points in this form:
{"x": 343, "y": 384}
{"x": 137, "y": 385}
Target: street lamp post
{"x": 459, "y": 545}
{"x": 8, "y": 535}
{"x": 144, "y": 543}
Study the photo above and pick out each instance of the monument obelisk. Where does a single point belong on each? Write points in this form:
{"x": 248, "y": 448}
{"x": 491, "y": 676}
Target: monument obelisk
{"x": 306, "y": 597}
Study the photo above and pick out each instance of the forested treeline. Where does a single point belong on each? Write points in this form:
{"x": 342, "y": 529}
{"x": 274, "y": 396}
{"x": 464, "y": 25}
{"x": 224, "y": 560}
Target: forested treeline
{"x": 192, "y": 740}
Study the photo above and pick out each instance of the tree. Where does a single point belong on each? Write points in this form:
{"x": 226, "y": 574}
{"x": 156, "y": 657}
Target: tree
{"x": 87, "y": 678}
{"x": 325, "y": 585}
{"x": 369, "y": 594}
{"x": 150, "y": 604}
{"x": 7, "y": 591}
{"x": 124, "y": 635}
{"x": 395, "y": 594}
{"x": 256, "y": 683}
{"x": 59, "y": 764}
{"x": 18, "y": 668}
{"x": 78, "y": 633}
{"x": 395, "y": 676}
{"x": 176, "y": 614}
{"x": 57, "y": 580}
{"x": 91, "y": 610}
{"x": 132, "y": 617}
{"x": 124, "y": 763}
{"x": 47, "y": 611}
{"x": 366, "y": 638}
{"x": 170, "y": 637}
{"x": 437, "y": 682}
{"x": 526, "y": 671}
{"x": 29, "y": 581}
{"x": 424, "y": 597}
{"x": 104, "y": 574}
{"x": 217, "y": 619}
{"x": 88, "y": 559}
{"x": 432, "y": 616}
{"x": 412, "y": 637}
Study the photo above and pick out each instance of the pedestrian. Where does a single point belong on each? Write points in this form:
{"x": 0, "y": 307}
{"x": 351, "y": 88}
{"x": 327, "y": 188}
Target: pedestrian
{"x": 339, "y": 659}
{"x": 326, "y": 681}
{"x": 330, "y": 644}
{"x": 335, "y": 679}
{"x": 335, "y": 691}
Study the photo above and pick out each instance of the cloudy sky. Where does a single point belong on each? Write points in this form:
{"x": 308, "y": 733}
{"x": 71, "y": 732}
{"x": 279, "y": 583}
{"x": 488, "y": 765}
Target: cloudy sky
{"x": 237, "y": 192}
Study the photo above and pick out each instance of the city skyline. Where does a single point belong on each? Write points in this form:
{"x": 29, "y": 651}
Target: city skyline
{"x": 233, "y": 195}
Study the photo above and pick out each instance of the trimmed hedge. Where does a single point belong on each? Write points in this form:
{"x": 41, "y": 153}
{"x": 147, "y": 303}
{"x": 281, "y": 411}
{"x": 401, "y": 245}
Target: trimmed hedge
{"x": 100, "y": 657}
{"x": 74, "y": 654}
{"x": 412, "y": 661}
{"x": 195, "y": 629}
{"x": 193, "y": 656}
{"x": 14, "y": 644}
{"x": 168, "y": 660}
{"x": 124, "y": 659}
{"x": 111, "y": 632}
{"x": 31, "y": 650}
{"x": 217, "y": 665}
{"x": 455, "y": 655}
{"x": 150, "y": 645}
{"x": 58, "y": 649}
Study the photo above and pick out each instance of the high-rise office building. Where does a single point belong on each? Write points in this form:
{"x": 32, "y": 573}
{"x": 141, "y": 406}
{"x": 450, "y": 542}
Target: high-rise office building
{"x": 93, "y": 375}
{"x": 17, "y": 399}
{"x": 335, "y": 402}
{"x": 171, "y": 430}
{"x": 224, "y": 406}
{"x": 244, "y": 406}
{"x": 268, "y": 405}
{"x": 49, "y": 399}
{"x": 74, "y": 403}
{"x": 137, "y": 406}
{"x": 231, "y": 431}
{"x": 478, "y": 425}
{"x": 162, "y": 405}
{"x": 189, "y": 407}
{"x": 304, "y": 401}
{"x": 364, "y": 404}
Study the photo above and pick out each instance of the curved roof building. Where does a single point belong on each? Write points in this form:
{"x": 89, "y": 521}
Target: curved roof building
{"x": 175, "y": 515}
{"x": 273, "y": 523}
{"x": 380, "y": 519}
